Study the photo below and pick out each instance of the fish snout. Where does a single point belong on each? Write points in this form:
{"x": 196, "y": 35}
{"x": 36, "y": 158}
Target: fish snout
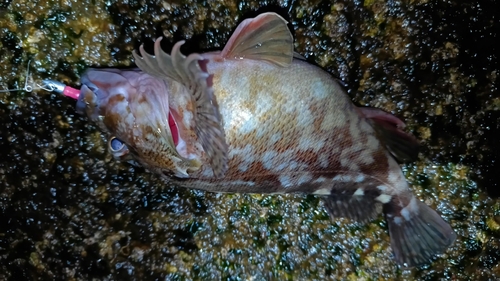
{"x": 87, "y": 100}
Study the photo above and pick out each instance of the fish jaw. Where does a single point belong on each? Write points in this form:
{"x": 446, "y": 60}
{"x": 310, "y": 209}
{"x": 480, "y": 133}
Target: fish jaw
{"x": 133, "y": 107}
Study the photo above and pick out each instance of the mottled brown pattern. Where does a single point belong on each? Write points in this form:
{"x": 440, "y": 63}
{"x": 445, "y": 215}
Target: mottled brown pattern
{"x": 380, "y": 167}
{"x": 112, "y": 121}
{"x": 307, "y": 156}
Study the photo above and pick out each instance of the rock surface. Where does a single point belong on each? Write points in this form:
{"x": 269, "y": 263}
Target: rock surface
{"x": 70, "y": 212}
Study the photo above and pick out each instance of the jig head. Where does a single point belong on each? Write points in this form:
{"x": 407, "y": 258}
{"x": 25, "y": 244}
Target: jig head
{"x": 60, "y": 88}
{"x": 47, "y": 85}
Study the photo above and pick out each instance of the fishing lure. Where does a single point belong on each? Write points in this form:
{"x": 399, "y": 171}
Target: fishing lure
{"x": 48, "y": 85}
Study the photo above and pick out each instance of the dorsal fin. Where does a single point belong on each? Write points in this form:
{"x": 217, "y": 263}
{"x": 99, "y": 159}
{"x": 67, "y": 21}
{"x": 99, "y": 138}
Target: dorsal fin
{"x": 191, "y": 71}
{"x": 265, "y": 37}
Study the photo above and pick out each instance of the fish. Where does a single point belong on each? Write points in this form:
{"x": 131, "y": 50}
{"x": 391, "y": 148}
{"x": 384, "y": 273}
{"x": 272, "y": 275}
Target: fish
{"x": 256, "y": 117}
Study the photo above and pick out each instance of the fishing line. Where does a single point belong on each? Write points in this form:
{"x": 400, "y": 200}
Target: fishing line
{"x": 47, "y": 85}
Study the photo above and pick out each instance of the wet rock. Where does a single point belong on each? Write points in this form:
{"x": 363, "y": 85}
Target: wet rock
{"x": 69, "y": 211}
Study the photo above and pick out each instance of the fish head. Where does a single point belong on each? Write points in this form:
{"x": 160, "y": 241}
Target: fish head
{"x": 132, "y": 108}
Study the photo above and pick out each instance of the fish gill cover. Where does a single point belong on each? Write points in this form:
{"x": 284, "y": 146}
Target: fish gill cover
{"x": 68, "y": 211}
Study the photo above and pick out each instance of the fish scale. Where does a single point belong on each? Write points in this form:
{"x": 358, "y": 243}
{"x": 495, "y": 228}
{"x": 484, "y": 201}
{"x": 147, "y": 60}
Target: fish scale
{"x": 294, "y": 127}
{"x": 257, "y": 118}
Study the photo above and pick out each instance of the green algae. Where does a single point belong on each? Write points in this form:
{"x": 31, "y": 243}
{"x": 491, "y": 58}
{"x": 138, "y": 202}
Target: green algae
{"x": 70, "y": 211}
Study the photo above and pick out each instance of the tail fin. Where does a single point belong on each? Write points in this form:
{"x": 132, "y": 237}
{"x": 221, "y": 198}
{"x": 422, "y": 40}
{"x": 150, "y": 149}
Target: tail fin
{"x": 417, "y": 233}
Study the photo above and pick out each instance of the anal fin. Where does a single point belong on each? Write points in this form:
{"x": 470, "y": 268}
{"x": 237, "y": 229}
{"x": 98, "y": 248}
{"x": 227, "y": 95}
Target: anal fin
{"x": 355, "y": 201}
{"x": 352, "y": 207}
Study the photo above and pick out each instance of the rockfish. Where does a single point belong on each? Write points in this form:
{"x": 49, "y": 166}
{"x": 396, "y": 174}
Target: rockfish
{"x": 256, "y": 118}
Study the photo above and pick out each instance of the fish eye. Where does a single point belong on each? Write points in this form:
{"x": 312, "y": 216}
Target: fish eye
{"x": 115, "y": 144}
{"x": 118, "y": 148}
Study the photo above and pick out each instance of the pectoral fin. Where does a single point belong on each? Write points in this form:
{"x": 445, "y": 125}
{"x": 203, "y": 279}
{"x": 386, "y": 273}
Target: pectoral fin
{"x": 265, "y": 37}
{"x": 192, "y": 73}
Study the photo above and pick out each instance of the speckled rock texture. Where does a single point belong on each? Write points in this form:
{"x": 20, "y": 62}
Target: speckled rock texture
{"x": 68, "y": 211}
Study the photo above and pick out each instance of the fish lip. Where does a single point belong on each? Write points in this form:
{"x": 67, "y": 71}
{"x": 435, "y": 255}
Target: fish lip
{"x": 90, "y": 98}
{"x": 81, "y": 103}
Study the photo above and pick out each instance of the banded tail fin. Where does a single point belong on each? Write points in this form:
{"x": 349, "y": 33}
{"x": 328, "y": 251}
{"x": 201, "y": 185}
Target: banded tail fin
{"x": 417, "y": 233}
